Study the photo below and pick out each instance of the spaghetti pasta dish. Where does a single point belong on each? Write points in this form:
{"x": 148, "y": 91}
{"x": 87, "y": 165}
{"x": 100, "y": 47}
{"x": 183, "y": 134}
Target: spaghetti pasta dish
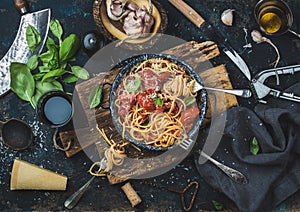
{"x": 155, "y": 102}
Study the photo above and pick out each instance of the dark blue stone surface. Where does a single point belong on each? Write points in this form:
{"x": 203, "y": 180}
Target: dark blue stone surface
{"x": 76, "y": 17}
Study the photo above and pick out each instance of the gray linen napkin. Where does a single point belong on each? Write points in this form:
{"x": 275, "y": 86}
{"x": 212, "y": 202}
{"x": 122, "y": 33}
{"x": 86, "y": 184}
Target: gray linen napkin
{"x": 274, "y": 173}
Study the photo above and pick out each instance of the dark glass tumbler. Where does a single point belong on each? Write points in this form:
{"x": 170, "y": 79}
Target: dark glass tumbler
{"x": 55, "y": 108}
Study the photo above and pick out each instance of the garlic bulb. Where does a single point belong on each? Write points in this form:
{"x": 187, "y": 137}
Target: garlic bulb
{"x": 227, "y": 17}
{"x": 257, "y": 37}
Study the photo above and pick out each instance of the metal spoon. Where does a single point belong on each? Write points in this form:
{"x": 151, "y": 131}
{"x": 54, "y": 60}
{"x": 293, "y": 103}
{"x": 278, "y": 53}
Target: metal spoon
{"x": 232, "y": 173}
{"x": 16, "y": 134}
{"x": 238, "y": 92}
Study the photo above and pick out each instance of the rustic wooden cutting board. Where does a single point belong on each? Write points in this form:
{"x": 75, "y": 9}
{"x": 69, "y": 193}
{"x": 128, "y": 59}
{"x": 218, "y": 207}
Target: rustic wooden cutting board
{"x": 195, "y": 54}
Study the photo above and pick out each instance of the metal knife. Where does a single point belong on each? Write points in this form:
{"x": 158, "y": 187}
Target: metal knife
{"x": 208, "y": 29}
{"x": 19, "y": 51}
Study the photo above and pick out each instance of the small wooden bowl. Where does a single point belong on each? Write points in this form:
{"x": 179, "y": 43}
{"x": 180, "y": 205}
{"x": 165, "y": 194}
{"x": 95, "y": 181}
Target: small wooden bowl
{"x": 113, "y": 29}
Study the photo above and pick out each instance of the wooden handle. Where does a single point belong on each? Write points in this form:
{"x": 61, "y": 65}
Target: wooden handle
{"x": 189, "y": 12}
{"x": 21, "y": 6}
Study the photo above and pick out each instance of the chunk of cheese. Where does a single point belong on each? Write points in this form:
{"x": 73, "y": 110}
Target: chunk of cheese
{"x": 26, "y": 176}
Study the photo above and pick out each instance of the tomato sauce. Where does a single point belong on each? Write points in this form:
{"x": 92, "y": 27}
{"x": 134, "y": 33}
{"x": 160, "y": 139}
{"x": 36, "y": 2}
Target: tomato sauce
{"x": 146, "y": 101}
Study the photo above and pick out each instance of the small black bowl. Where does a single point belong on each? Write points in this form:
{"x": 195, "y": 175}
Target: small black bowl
{"x": 201, "y": 97}
{"x": 55, "y": 108}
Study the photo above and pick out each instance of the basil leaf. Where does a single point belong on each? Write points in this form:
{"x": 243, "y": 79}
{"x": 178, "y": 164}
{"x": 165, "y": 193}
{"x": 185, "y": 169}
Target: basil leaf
{"x": 95, "y": 97}
{"x": 72, "y": 59}
{"x": 33, "y": 62}
{"x": 56, "y": 29}
{"x": 53, "y": 74}
{"x": 52, "y": 47}
{"x": 80, "y": 72}
{"x": 50, "y": 59}
{"x": 33, "y": 38}
{"x": 254, "y": 147}
{"x": 35, "y": 98}
{"x": 218, "y": 206}
{"x": 189, "y": 100}
{"x": 50, "y": 43}
{"x": 133, "y": 85}
{"x": 146, "y": 122}
{"x": 48, "y": 86}
{"x": 38, "y": 76}
{"x": 53, "y": 64}
{"x": 70, "y": 79}
{"x": 158, "y": 101}
{"x": 63, "y": 65}
{"x": 46, "y": 56}
{"x": 69, "y": 47}
{"x": 22, "y": 82}
{"x": 44, "y": 69}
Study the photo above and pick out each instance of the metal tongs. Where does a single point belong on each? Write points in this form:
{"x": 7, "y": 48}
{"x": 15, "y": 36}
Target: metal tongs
{"x": 261, "y": 90}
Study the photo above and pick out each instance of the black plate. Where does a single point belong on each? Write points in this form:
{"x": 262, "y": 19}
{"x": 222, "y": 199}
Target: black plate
{"x": 201, "y": 97}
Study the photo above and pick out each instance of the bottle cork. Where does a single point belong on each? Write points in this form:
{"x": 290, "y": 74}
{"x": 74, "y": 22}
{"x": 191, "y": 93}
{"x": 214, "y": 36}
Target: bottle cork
{"x": 113, "y": 179}
{"x": 131, "y": 194}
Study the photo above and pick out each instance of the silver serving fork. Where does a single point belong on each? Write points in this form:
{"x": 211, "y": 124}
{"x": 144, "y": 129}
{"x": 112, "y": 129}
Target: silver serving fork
{"x": 186, "y": 144}
{"x": 230, "y": 172}
{"x": 74, "y": 198}
{"x": 246, "y": 93}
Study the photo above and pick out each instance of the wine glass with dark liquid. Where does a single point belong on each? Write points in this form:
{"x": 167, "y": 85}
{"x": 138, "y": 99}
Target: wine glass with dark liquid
{"x": 55, "y": 108}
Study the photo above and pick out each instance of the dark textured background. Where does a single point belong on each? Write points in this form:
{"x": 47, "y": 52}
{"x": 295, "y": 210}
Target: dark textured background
{"x": 76, "y": 17}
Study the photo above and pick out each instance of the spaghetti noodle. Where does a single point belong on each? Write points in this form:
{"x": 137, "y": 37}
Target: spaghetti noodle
{"x": 155, "y": 103}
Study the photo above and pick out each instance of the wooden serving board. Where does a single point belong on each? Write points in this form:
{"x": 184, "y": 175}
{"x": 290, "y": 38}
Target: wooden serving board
{"x": 195, "y": 54}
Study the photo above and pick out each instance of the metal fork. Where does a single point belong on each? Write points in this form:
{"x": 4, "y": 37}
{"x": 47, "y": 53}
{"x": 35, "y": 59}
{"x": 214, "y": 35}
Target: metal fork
{"x": 186, "y": 144}
{"x": 238, "y": 92}
{"x": 230, "y": 172}
{"x": 74, "y": 198}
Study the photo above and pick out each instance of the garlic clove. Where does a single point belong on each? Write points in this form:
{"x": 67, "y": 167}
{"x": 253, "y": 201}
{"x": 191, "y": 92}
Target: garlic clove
{"x": 227, "y": 17}
{"x": 256, "y": 36}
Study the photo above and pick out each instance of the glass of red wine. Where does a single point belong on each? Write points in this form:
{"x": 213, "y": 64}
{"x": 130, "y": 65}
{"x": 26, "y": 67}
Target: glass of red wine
{"x": 55, "y": 108}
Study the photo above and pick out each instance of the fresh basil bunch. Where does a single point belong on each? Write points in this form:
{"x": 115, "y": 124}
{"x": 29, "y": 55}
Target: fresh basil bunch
{"x": 48, "y": 70}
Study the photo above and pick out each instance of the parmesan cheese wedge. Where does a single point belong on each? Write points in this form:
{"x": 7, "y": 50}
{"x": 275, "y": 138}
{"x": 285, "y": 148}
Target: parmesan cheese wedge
{"x": 26, "y": 176}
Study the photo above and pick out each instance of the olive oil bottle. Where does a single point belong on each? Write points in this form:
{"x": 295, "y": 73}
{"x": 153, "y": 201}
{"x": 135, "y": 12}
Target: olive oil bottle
{"x": 273, "y": 16}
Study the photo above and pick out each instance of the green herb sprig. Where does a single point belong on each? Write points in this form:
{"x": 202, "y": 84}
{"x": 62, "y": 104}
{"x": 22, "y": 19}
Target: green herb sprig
{"x": 254, "y": 146}
{"x": 158, "y": 101}
{"x": 94, "y": 98}
{"x": 47, "y": 71}
{"x": 218, "y": 206}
